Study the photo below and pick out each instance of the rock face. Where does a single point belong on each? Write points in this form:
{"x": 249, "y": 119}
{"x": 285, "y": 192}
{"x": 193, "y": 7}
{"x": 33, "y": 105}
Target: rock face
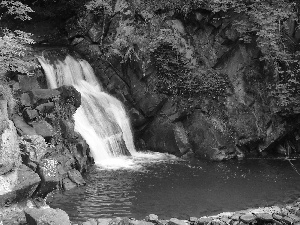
{"x": 245, "y": 121}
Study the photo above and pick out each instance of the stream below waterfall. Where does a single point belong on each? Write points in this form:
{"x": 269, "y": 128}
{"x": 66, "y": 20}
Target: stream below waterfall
{"x": 171, "y": 187}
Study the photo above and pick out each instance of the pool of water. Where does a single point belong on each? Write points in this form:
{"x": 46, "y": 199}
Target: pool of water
{"x": 170, "y": 187}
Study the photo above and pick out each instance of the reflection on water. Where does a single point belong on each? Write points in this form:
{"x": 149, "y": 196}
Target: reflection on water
{"x": 169, "y": 187}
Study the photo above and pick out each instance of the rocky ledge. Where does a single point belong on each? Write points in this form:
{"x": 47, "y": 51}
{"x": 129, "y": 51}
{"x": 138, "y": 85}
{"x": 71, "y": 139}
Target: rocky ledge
{"x": 277, "y": 215}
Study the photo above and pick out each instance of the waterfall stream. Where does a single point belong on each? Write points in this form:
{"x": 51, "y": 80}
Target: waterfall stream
{"x": 101, "y": 119}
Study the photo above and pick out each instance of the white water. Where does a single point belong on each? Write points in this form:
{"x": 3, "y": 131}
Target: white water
{"x": 101, "y": 119}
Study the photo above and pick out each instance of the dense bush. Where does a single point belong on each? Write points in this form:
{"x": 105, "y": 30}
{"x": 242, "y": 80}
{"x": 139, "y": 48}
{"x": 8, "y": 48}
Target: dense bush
{"x": 176, "y": 76}
{"x": 14, "y": 44}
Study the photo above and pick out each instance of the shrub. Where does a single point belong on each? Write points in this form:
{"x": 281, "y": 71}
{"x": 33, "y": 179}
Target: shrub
{"x": 176, "y": 76}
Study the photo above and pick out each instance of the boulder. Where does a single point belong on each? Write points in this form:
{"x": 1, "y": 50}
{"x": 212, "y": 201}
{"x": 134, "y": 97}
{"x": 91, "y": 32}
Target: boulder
{"x": 151, "y": 218}
{"x": 67, "y": 129}
{"x": 136, "y": 118}
{"x": 103, "y": 221}
{"x": 69, "y": 95}
{"x": 90, "y": 222}
{"x": 147, "y": 102}
{"x": 43, "y": 128}
{"x": 76, "y": 177}
{"x": 39, "y": 96}
{"x": 68, "y": 184}
{"x": 175, "y": 221}
{"x": 46, "y": 216}
{"x": 95, "y": 33}
{"x": 140, "y": 222}
{"x": 45, "y": 107}
{"x": 30, "y": 114}
{"x": 210, "y": 137}
{"x": 28, "y": 83}
{"x": 22, "y": 127}
{"x": 18, "y": 185}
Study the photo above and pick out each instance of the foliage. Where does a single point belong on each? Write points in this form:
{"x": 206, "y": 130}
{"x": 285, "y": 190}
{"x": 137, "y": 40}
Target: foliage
{"x": 175, "y": 76}
{"x": 13, "y": 44}
{"x": 13, "y": 47}
{"x": 16, "y": 8}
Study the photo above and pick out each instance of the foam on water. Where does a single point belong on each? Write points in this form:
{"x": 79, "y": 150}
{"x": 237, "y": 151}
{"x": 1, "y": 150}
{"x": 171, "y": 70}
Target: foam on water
{"x": 137, "y": 162}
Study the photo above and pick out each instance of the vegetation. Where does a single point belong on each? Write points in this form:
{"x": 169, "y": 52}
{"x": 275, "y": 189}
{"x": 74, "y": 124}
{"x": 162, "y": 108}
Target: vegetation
{"x": 145, "y": 29}
{"x": 13, "y": 44}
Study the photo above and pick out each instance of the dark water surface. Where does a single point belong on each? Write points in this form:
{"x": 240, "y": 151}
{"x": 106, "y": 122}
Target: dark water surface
{"x": 173, "y": 188}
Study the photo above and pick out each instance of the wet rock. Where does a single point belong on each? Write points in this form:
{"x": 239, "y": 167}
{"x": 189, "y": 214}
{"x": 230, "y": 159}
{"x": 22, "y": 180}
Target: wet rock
{"x": 292, "y": 217}
{"x": 67, "y": 129}
{"x": 103, "y": 221}
{"x": 181, "y": 138}
{"x": 76, "y": 177}
{"x": 45, "y": 107}
{"x": 277, "y": 217}
{"x": 164, "y": 136}
{"x": 43, "y": 128}
{"x": 175, "y": 221}
{"x": 204, "y": 220}
{"x": 247, "y": 218}
{"x": 264, "y": 216}
{"x": 193, "y": 220}
{"x": 149, "y": 103}
{"x": 22, "y": 127}
{"x": 116, "y": 221}
{"x": 172, "y": 111}
{"x": 39, "y": 96}
{"x": 151, "y": 218}
{"x": 25, "y": 99}
{"x": 236, "y": 216}
{"x": 210, "y": 138}
{"x": 136, "y": 118}
{"x": 140, "y": 222}
{"x": 81, "y": 150}
{"x": 28, "y": 83}
{"x": 46, "y": 216}
{"x": 68, "y": 184}
{"x": 76, "y": 41}
{"x": 287, "y": 220}
{"x": 90, "y": 222}
{"x": 30, "y": 114}
{"x": 95, "y": 33}
{"x": 17, "y": 185}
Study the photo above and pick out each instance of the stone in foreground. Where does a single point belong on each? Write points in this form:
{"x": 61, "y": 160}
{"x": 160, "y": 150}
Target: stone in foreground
{"x": 46, "y": 216}
{"x": 17, "y": 185}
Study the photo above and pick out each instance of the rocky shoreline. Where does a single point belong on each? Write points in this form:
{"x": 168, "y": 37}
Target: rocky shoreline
{"x": 28, "y": 214}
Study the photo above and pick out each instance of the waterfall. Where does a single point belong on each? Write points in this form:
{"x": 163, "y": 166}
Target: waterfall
{"x": 101, "y": 119}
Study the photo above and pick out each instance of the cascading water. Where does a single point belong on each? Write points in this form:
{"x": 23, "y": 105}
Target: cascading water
{"x": 101, "y": 119}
